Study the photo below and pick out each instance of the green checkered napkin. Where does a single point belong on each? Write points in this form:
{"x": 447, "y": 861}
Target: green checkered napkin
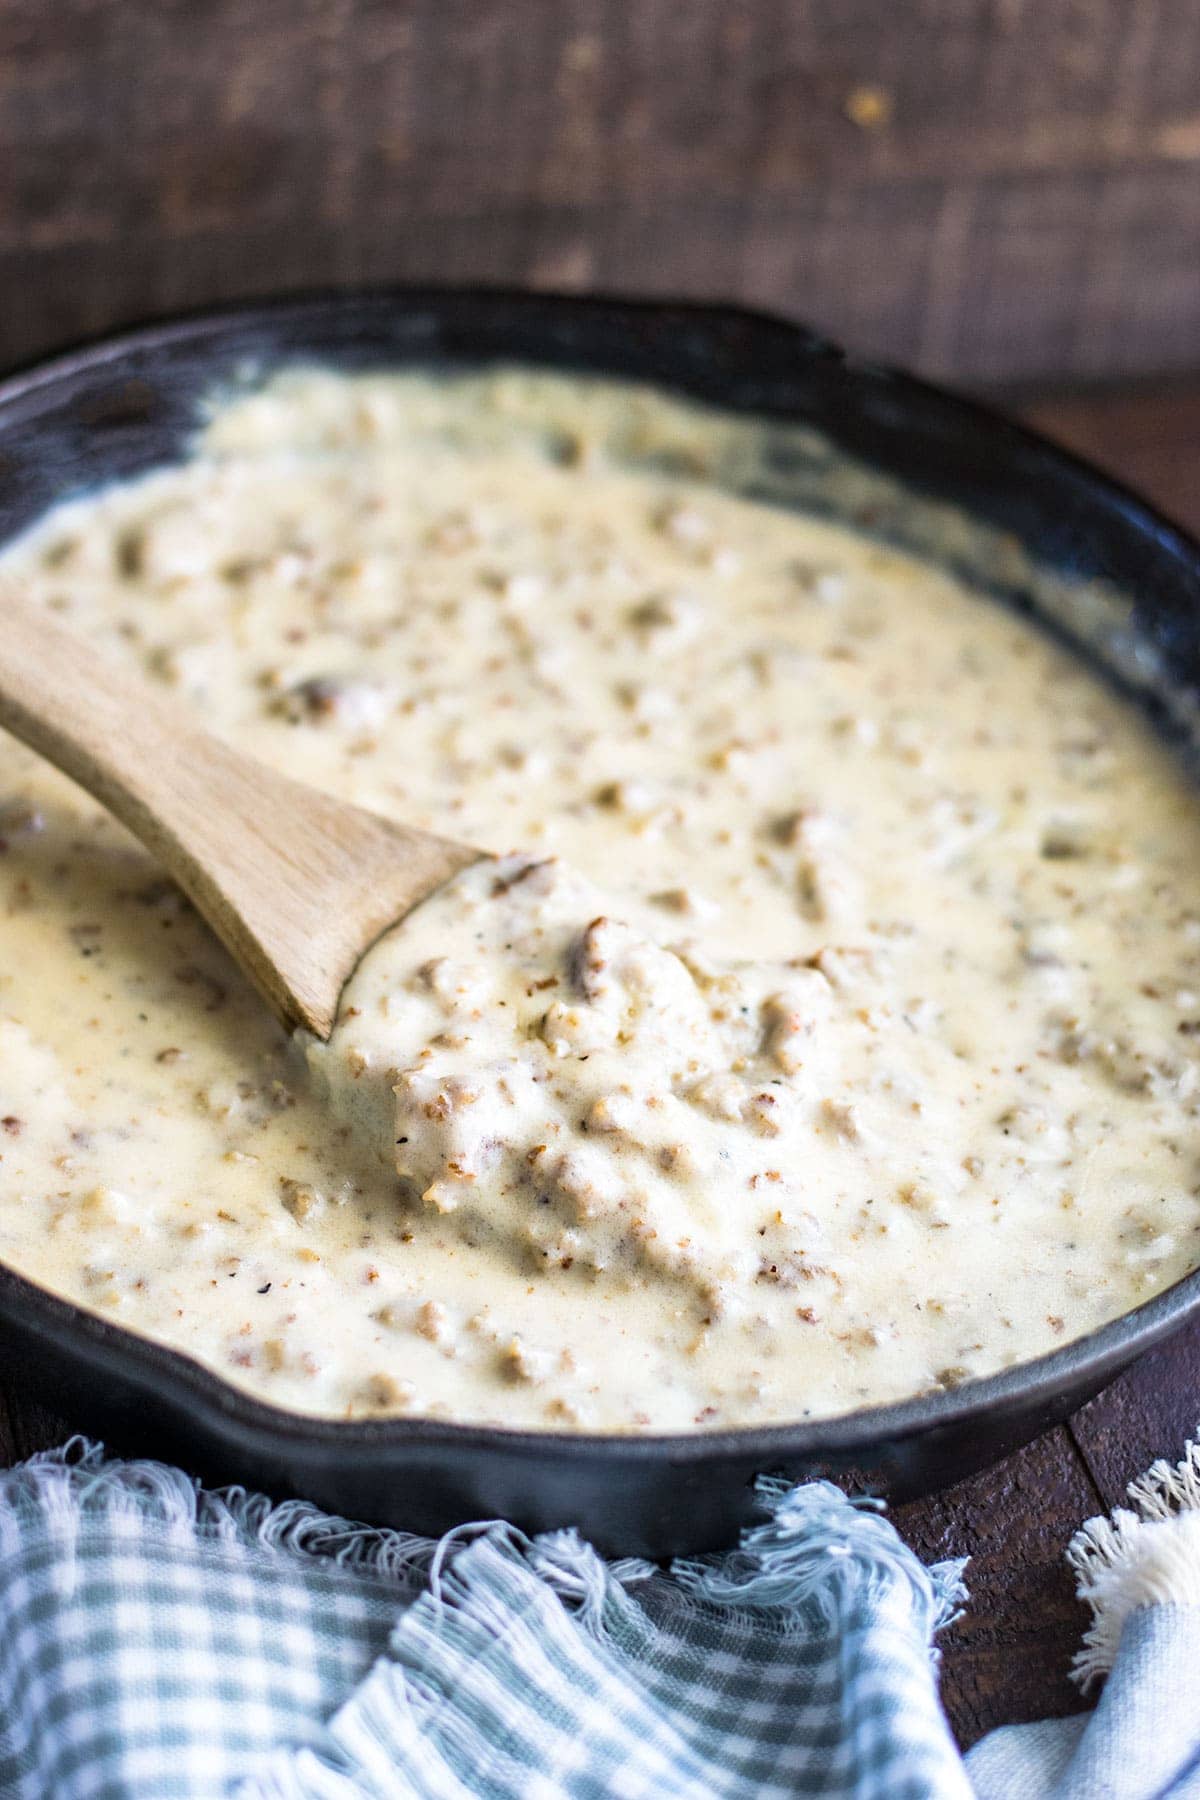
{"x": 159, "y": 1641}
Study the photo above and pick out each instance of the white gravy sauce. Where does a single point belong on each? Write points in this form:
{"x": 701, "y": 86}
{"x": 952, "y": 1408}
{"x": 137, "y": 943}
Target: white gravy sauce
{"x": 827, "y": 1031}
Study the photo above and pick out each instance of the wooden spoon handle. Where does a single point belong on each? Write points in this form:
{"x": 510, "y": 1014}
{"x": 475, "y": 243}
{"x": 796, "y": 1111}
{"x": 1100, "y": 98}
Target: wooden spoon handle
{"x": 295, "y": 883}
{"x": 107, "y": 730}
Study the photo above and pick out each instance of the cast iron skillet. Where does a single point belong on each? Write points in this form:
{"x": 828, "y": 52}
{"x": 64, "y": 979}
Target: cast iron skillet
{"x": 119, "y": 407}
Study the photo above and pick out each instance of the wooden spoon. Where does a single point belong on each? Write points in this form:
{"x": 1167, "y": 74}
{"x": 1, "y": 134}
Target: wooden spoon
{"x": 295, "y": 884}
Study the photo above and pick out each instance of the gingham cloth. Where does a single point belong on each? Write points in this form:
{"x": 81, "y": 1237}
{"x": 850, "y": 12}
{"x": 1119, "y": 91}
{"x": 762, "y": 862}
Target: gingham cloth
{"x": 158, "y": 1641}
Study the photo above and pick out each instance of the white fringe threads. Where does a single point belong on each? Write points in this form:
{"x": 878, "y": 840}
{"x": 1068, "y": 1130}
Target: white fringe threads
{"x": 1149, "y": 1556}
{"x": 824, "y": 1550}
{"x": 816, "y": 1549}
{"x": 78, "y": 1480}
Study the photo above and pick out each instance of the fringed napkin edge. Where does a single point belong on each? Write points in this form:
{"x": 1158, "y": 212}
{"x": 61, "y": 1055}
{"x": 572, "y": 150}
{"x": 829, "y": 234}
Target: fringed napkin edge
{"x": 1144, "y": 1555}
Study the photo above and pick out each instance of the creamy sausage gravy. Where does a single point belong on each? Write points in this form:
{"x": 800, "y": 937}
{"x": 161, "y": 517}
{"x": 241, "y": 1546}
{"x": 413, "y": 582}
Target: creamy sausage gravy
{"x": 827, "y": 1030}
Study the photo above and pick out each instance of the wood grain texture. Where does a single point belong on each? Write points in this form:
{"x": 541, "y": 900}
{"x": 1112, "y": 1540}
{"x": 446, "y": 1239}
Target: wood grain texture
{"x": 1007, "y": 1658}
{"x": 295, "y": 883}
{"x": 984, "y": 188}
{"x": 1148, "y": 434}
{"x": 1151, "y": 1411}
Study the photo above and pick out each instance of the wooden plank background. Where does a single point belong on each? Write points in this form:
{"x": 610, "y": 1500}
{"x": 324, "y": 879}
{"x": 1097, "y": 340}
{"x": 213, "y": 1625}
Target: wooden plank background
{"x": 992, "y": 189}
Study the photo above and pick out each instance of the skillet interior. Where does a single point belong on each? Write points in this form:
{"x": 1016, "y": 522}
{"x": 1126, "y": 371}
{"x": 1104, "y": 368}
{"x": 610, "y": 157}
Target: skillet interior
{"x": 119, "y": 408}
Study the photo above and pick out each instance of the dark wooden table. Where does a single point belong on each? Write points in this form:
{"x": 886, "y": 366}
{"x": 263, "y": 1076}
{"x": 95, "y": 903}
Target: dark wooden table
{"x": 1007, "y": 1659}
